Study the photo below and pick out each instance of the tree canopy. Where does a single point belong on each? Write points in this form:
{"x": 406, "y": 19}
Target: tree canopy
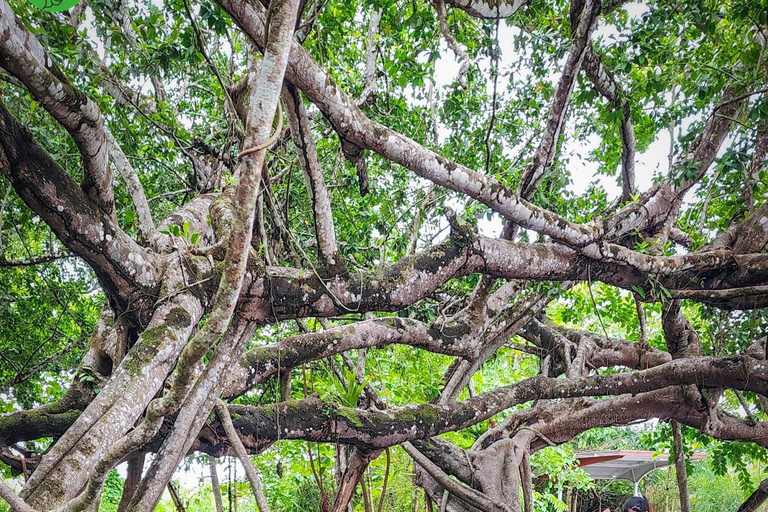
{"x": 471, "y": 229}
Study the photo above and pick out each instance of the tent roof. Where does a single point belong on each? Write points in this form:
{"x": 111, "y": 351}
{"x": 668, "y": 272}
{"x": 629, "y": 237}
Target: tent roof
{"x": 630, "y": 465}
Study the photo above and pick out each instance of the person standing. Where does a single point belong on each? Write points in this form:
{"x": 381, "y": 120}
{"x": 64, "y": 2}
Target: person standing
{"x": 634, "y": 504}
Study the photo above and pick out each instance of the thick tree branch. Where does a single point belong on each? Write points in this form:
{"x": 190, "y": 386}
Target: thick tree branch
{"x": 115, "y": 409}
{"x": 127, "y": 271}
{"x": 316, "y": 420}
{"x": 22, "y": 55}
{"x": 262, "y": 362}
{"x": 325, "y": 231}
{"x": 584, "y": 24}
{"x": 267, "y": 83}
{"x": 489, "y": 9}
{"x": 607, "y": 86}
{"x": 289, "y": 293}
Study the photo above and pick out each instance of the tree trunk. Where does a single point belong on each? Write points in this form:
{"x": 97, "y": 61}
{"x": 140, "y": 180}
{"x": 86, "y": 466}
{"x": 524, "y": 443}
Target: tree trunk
{"x": 755, "y": 499}
{"x": 177, "y": 502}
{"x": 132, "y": 479}
{"x": 215, "y": 485}
{"x": 680, "y": 469}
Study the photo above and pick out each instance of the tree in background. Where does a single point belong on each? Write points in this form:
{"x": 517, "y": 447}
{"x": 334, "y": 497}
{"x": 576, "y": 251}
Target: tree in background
{"x": 277, "y": 206}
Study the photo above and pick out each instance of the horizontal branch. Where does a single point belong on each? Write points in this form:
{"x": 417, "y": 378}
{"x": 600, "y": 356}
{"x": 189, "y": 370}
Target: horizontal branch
{"x": 285, "y": 293}
{"x": 489, "y": 9}
{"x": 261, "y": 362}
{"x": 317, "y": 420}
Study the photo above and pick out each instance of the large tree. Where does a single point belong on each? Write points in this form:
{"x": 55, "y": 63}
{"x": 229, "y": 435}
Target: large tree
{"x": 143, "y": 147}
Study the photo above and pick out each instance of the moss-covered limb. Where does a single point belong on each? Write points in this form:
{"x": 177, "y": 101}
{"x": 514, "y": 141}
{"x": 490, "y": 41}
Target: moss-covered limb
{"x": 261, "y": 362}
{"x": 22, "y": 55}
{"x": 70, "y": 462}
{"x": 175, "y": 438}
{"x": 290, "y": 293}
{"x": 316, "y": 420}
{"x": 34, "y": 424}
{"x": 646, "y": 391}
{"x": 234, "y": 213}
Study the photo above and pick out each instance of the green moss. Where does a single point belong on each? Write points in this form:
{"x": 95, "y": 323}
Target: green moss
{"x": 419, "y": 416}
{"x": 151, "y": 338}
{"x": 349, "y": 415}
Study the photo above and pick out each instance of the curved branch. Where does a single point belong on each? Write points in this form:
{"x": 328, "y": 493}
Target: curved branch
{"x": 127, "y": 271}
{"x": 489, "y": 9}
{"x": 454, "y": 45}
{"x": 261, "y": 362}
{"x": 250, "y": 471}
{"x": 22, "y": 55}
{"x": 353, "y": 126}
{"x": 13, "y": 499}
{"x": 545, "y": 154}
